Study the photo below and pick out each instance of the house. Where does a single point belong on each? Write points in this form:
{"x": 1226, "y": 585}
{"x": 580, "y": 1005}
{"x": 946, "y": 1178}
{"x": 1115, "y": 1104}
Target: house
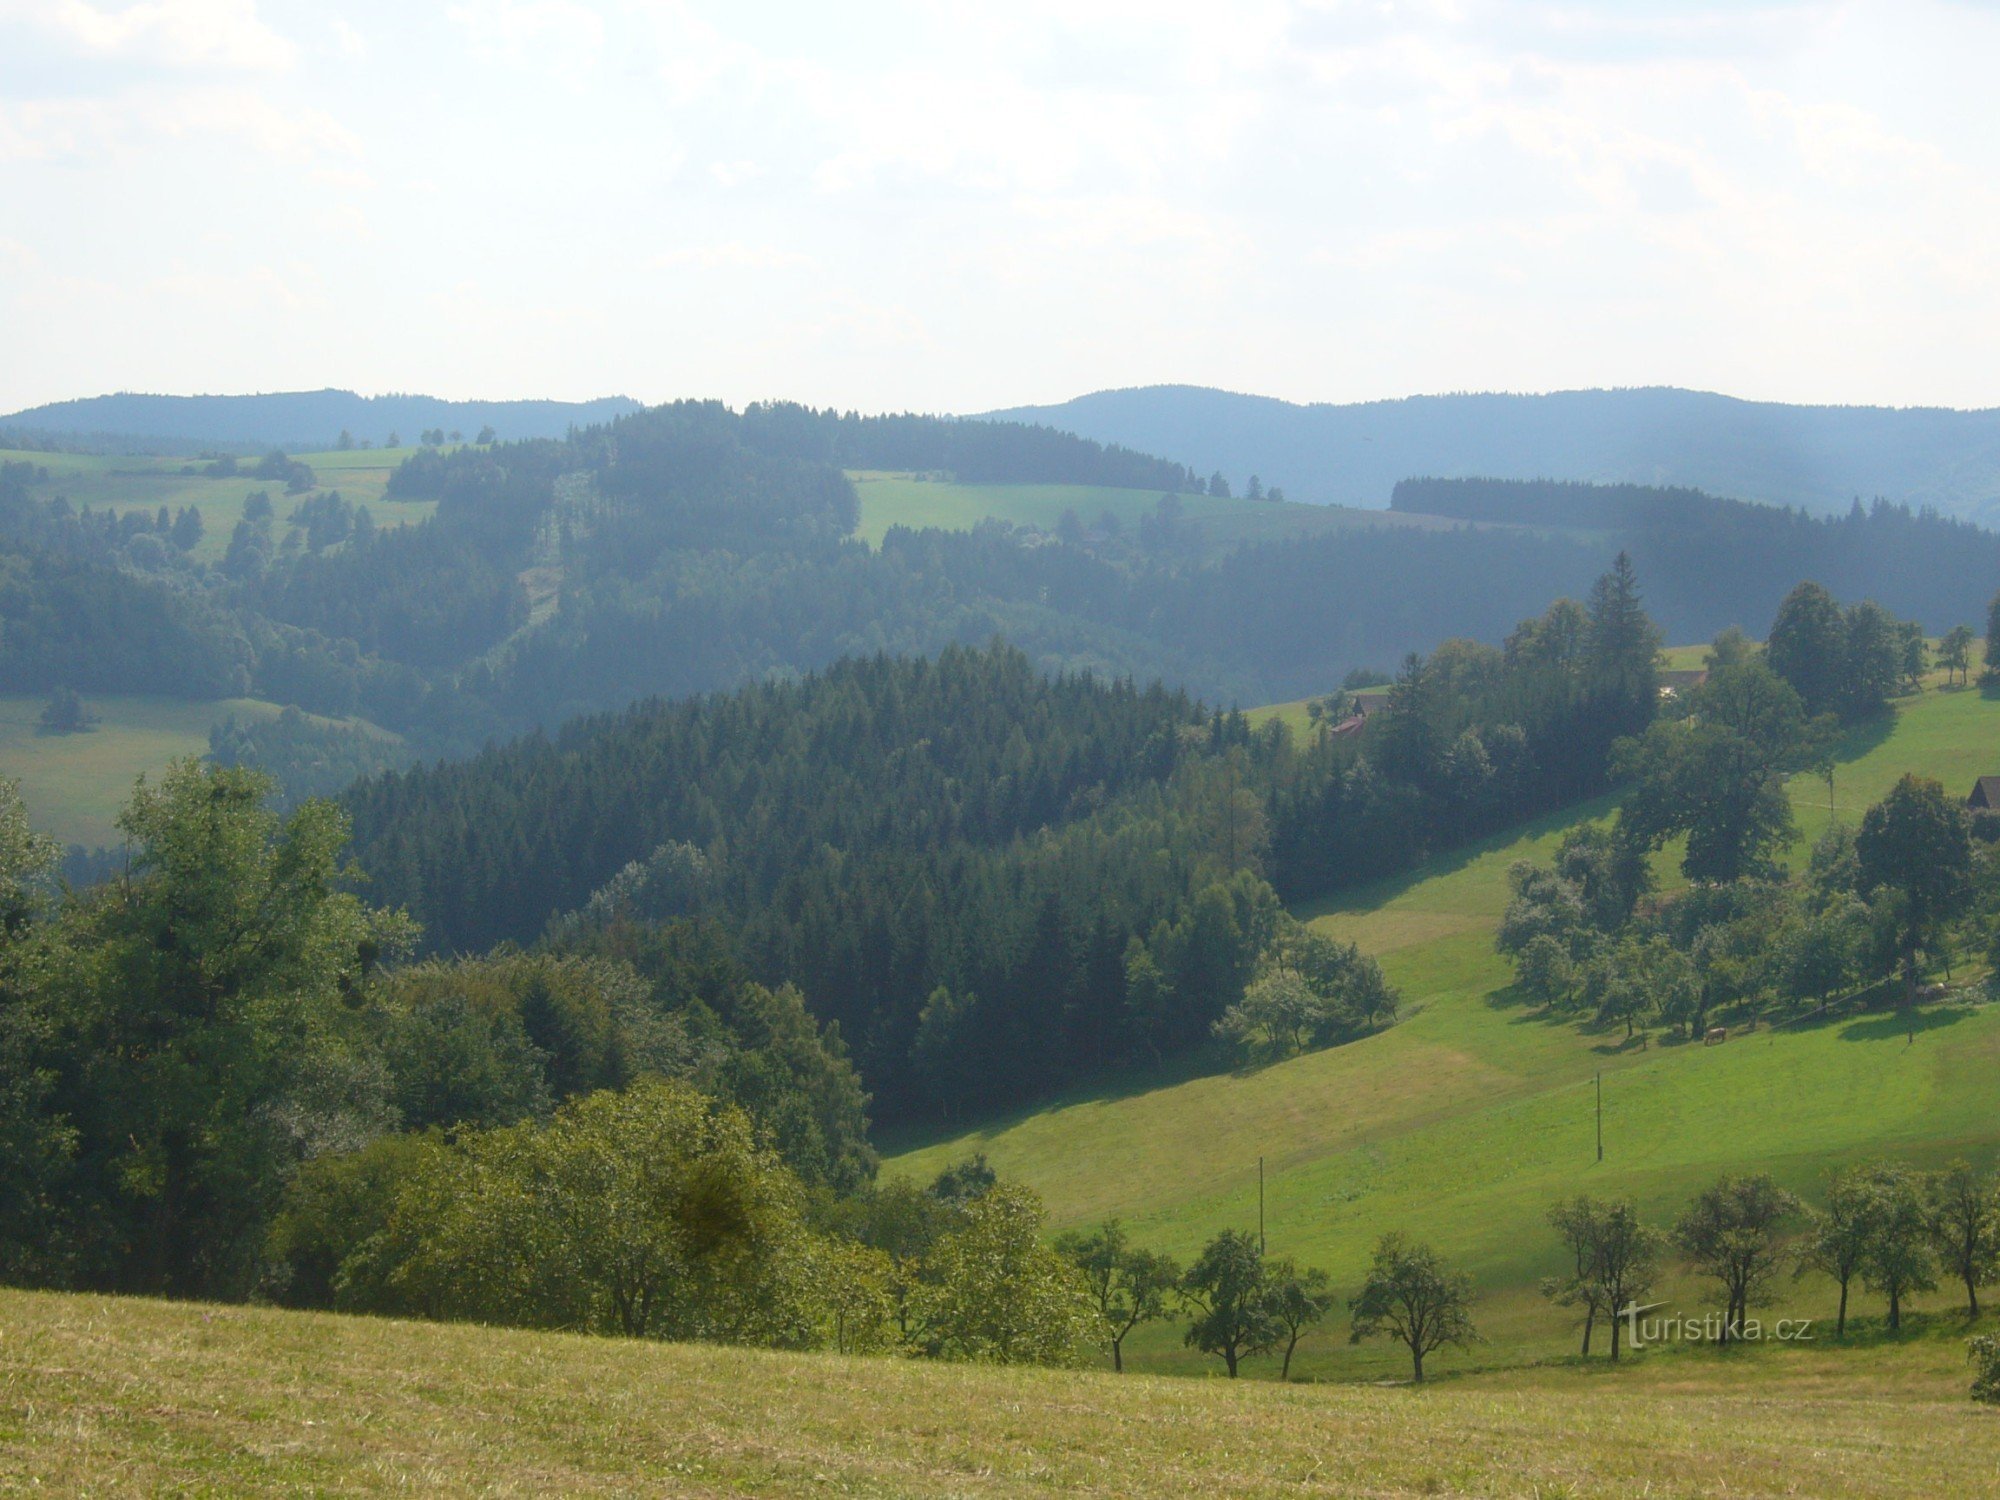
{"x": 1985, "y": 793}
{"x": 1682, "y": 680}
{"x": 1366, "y": 706}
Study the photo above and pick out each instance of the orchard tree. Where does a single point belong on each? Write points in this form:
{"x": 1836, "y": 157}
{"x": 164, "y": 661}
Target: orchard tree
{"x": 1129, "y": 1286}
{"x": 1226, "y": 1291}
{"x": 993, "y": 1291}
{"x": 1955, "y": 652}
{"x": 1412, "y": 1296}
{"x": 1991, "y": 676}
{"x": 1299, "y": 1300}
{"x": 1615, "y": 1257}
{"x": 1898, "y": 1260}
{"x": 1963, "y": 1209}
{"x": 1838, "y": 1238}
{"x": 1731, "y": 1233}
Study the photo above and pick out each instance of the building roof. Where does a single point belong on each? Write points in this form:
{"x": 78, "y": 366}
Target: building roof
{"x": 1985, "y": 793}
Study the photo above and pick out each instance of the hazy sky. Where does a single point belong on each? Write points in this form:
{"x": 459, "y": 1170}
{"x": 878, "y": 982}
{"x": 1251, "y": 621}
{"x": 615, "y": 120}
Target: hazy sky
{"x": 957, "y": 206}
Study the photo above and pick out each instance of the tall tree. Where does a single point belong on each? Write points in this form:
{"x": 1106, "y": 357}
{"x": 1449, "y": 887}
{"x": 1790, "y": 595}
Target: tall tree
{"x": 214, "y": 988}
{"x": 1914, "y": 843}
{"x": 1719, "y": 776}
{"x": 1808, "y": 647}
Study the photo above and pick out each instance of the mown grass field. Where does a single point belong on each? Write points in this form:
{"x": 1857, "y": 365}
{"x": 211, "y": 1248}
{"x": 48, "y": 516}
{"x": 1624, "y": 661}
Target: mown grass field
{"x": 106, "y": 1396}
{"x": 121, "y": 483}
{"x": 904, "y": 500}
{"x": 1462, "y": 1123}
{"x": 75, "y": 784}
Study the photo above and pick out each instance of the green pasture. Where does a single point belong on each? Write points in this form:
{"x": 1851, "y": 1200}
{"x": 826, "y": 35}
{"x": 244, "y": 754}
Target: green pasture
{"x": 1462, "y": 1123}
{"x": 75, "y": 785}
{"x": 121, "y": 483}
{"x": 909, "y": 500}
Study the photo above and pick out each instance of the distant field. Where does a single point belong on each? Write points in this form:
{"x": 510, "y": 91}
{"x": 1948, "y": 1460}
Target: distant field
{"x": 104, "y": 1396}
{"x": 76, "y": 784}
{"x": 1465, "y": 1121}
{"x": 122, "y": 484}
{"x": 901, "y": 500}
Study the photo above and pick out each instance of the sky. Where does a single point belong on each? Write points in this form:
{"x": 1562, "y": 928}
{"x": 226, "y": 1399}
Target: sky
{"x": 955, "y": 207}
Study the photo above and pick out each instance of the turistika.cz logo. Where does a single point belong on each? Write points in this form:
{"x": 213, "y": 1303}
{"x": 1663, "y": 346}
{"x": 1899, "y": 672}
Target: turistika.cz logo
{"x": 1708, "y": 1328}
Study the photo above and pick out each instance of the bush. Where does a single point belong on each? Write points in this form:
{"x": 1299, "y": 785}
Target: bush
{"x": 1985, "y": 1354}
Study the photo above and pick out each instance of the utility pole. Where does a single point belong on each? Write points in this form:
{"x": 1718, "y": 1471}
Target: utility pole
{"x": 1600, "y": 1115}
{"x": 1260, "y": 1205}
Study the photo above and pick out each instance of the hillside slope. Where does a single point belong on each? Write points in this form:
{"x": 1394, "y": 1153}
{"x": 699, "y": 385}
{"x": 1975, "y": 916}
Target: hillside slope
{"x": 1819, "y": 457}
{"x": 1465, "y": 1121}
{"x": 127, "y": 1397}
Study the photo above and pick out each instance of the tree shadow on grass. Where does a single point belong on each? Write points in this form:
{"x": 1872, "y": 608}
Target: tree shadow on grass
{"x": 1109, "y": 1087}
{"x": 1879, "y": 1028}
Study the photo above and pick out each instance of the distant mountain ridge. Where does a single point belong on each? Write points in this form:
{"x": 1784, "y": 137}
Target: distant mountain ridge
{"x": 1819, "y": 457}
{"x": 307, "y": 420}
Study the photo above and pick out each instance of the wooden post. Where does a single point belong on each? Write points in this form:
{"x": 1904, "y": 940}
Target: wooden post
{"x": 1260, "y": 1205}
{"x": 1600, "y": 1115}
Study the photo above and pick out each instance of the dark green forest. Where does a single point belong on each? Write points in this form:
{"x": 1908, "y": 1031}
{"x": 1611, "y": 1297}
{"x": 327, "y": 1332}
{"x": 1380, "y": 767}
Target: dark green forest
{"x": 994, "y": 881}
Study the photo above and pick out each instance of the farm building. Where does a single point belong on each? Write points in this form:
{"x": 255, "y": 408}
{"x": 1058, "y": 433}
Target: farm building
{"x": 1673, "y": 684}
{"x": 1985, "y": 793}
{"x": 1366, "y": 706}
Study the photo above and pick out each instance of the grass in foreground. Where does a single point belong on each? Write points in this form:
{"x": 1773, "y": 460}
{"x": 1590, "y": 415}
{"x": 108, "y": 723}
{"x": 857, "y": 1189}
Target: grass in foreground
{"x": 102, "y": 1396}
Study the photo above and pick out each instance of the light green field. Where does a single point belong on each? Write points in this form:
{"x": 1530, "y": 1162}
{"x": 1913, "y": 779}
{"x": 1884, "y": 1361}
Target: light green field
{"x": 1463, "y": 1122}
{"x": 120, "y": 483}
{"x": 904, "y": 500}
{"x": 76, "y": 784}
{"x": 102, "y": 1396}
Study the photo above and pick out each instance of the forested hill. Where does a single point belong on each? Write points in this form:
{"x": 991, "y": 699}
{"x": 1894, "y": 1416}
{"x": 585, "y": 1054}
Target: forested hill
{"x": 691, "y": 548}
{"x": 308, "y": 420}
{"x": 1820, "y": 457}
{"x": 1709, "y": 555}
{"x": 995, "y": 880}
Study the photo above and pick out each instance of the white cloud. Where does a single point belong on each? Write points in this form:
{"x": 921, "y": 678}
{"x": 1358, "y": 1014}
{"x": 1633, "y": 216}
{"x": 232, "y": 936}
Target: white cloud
{"x": 560, "y": 37}
{"x": 226, "y": 34}
{"x": 731, "y": 255}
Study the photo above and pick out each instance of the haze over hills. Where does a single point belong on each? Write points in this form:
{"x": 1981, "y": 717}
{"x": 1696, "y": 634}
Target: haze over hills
{"x": 1819, "y": 457}
{"x": 307, "y": 419}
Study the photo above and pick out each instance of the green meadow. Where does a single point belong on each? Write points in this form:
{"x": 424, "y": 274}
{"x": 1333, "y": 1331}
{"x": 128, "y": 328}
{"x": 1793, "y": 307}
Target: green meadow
{"x": 1463, "y": 1122}
{"x": 75, "y": 784}
{"x": 122, "y": 483}
{"x": 909, "y": 500}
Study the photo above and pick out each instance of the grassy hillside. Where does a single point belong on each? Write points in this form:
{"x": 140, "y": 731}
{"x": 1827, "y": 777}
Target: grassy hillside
{"x": 121, "y": 483}
{"x": 75, "y": 784}
{"x": 128, "y": 1397}
{"x": 1465, "y": 1121}
{"x": 905, "y": 500}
